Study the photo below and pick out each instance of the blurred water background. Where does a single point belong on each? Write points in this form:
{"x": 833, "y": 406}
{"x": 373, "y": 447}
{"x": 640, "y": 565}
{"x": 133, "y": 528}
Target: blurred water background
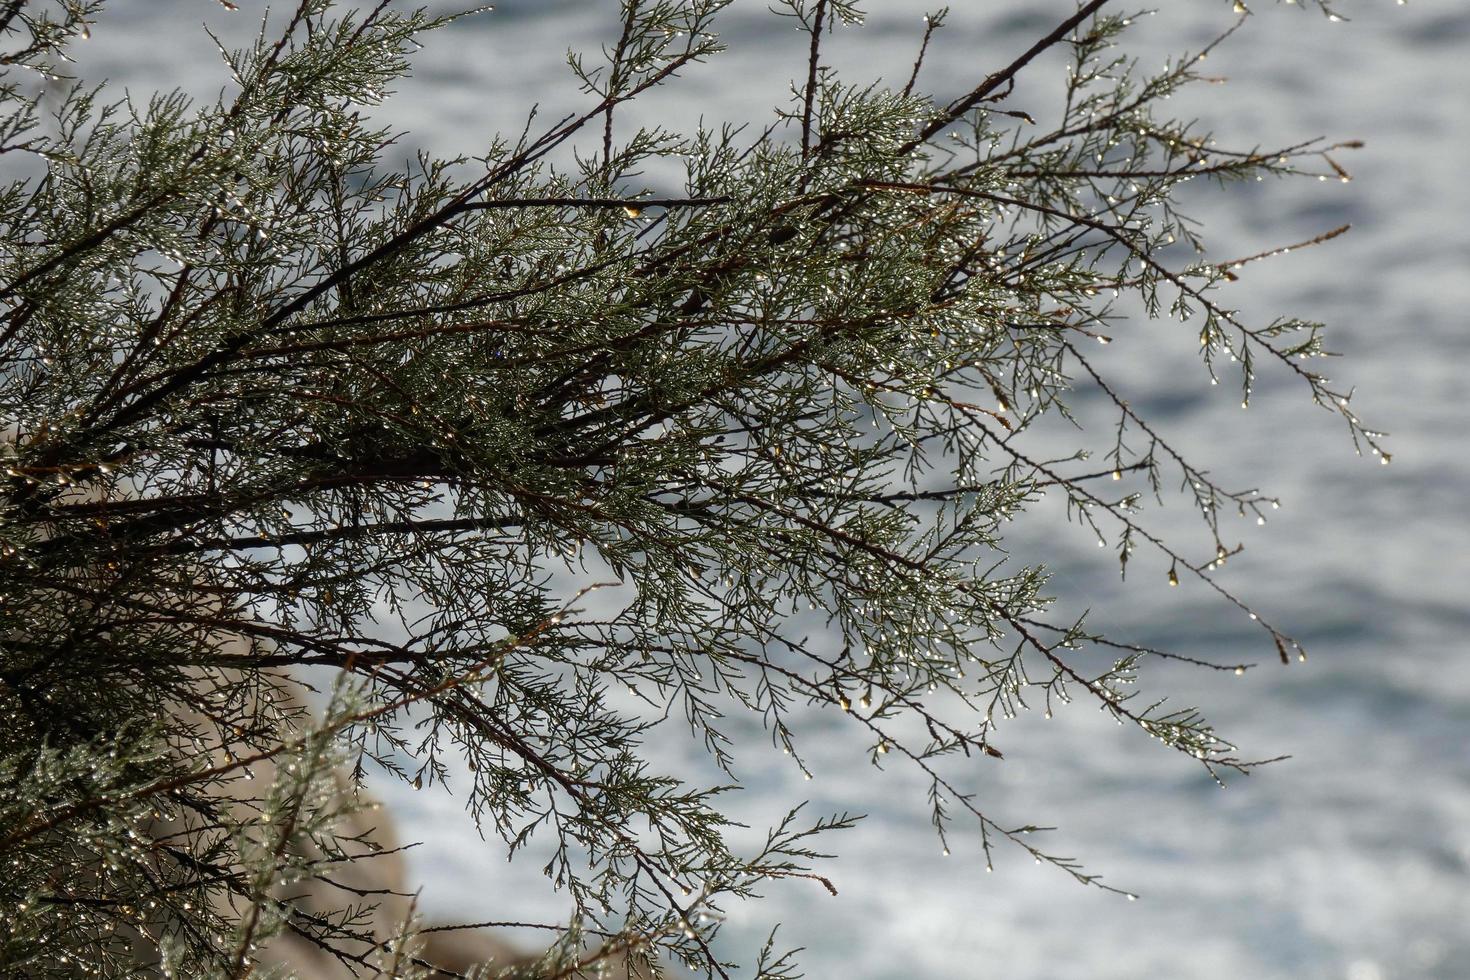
{"x": 1351, "y": 860}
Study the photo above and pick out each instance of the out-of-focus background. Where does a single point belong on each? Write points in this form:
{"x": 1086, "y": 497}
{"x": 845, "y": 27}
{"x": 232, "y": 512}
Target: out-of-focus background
{"x": 1350, "y": 860}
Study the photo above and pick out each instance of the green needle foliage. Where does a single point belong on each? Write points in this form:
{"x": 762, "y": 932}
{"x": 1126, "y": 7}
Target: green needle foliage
{"x": 541, "y": 464}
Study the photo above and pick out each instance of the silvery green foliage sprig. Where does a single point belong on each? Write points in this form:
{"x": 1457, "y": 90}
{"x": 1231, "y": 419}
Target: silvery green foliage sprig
{"x": 551, "y": 464}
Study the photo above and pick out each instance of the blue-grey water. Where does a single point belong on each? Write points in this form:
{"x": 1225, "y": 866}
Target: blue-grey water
{"x": 1351, "y": 860}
